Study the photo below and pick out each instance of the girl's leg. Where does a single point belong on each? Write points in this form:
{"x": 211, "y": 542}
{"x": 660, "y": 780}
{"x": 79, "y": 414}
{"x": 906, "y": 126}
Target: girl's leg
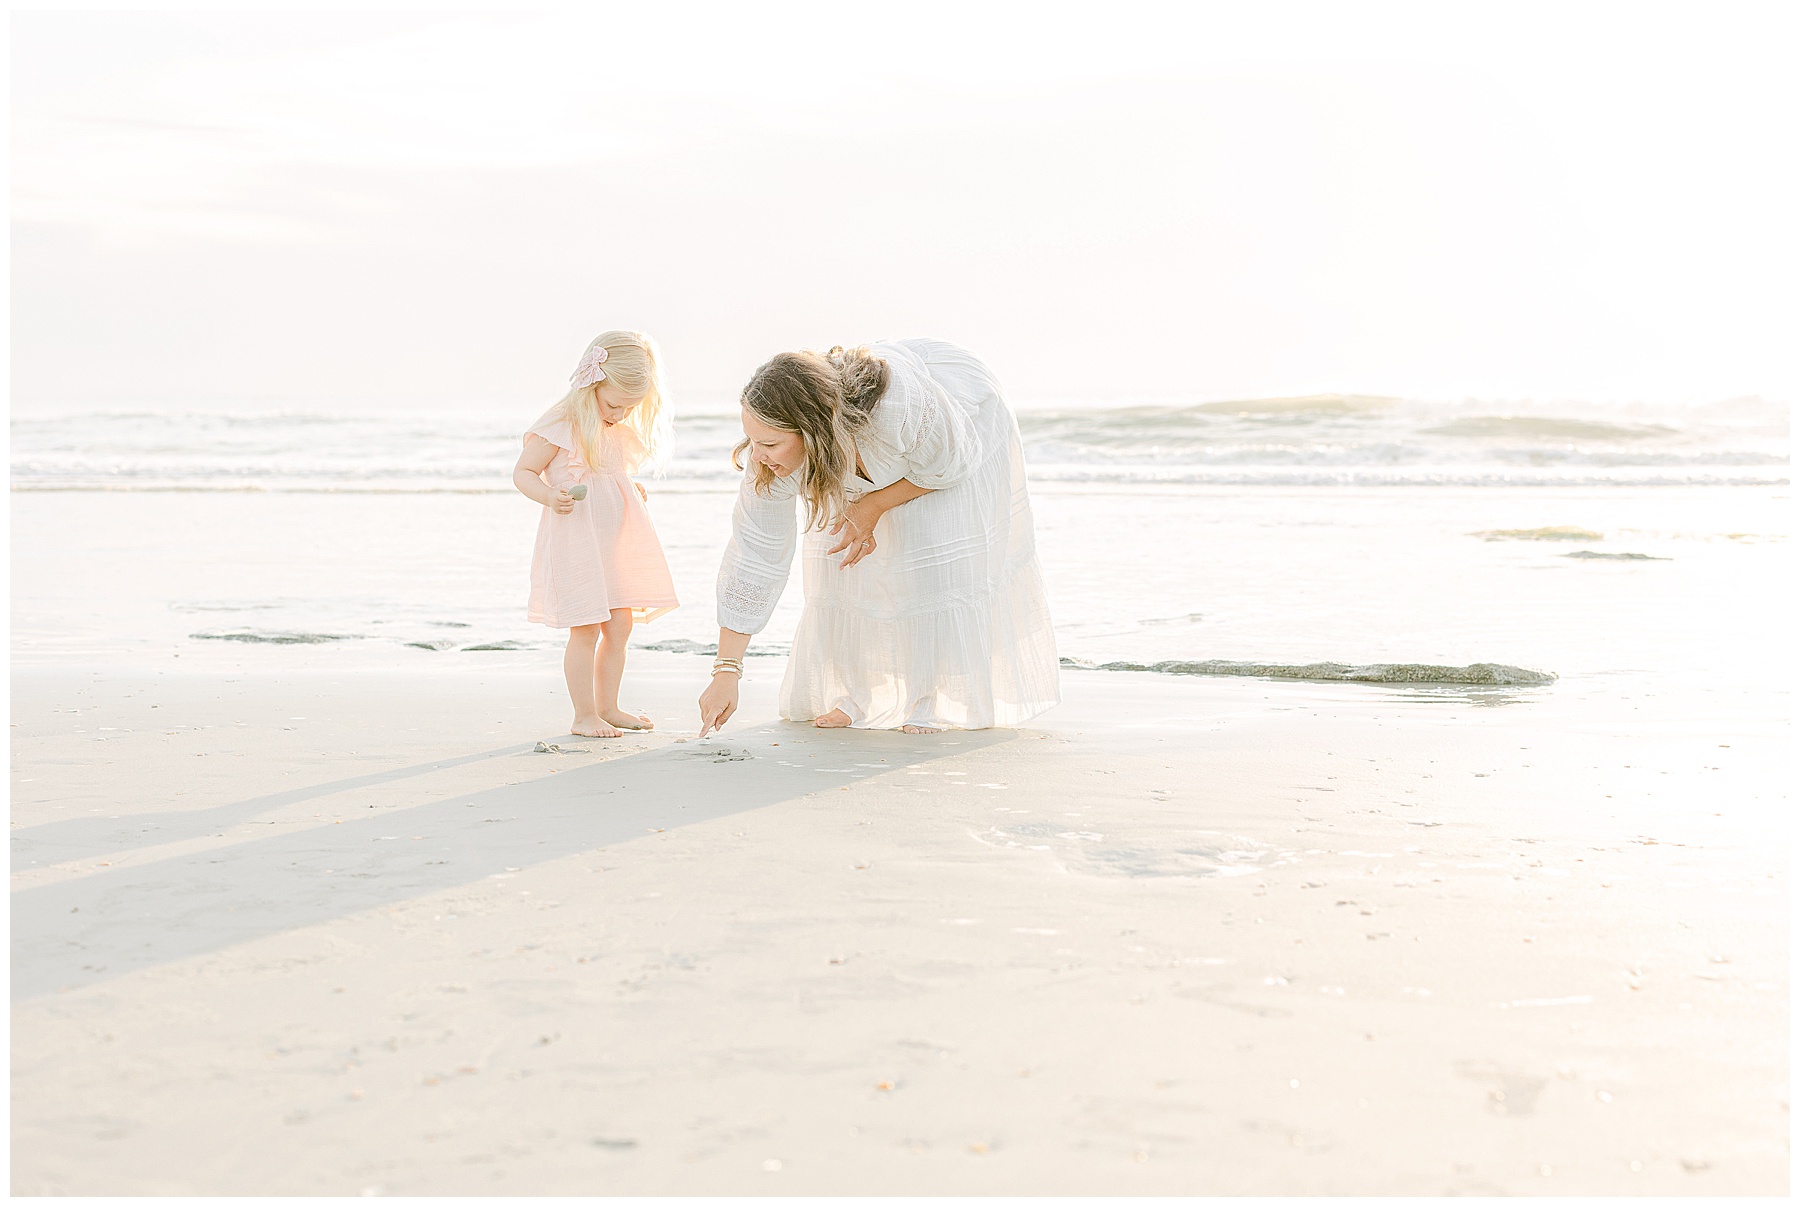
{"x": 578, "y": 671}
{"x": 609, "y": 670}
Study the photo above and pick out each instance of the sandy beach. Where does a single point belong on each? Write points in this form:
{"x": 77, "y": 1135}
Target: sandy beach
{"x": 1373, "y": 423}
{"x": 317, "y": 931}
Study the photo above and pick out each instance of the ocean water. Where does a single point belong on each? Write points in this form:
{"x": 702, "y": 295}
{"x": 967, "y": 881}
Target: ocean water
{"x": 1329, "y": 440}
{"x": 1597, "y": 550}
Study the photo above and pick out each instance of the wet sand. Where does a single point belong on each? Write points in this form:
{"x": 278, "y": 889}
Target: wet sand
{"x": 321, "y": 932}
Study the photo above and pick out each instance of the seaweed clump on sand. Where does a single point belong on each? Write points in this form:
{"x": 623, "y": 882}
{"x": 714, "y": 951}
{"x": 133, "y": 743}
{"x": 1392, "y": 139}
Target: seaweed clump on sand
{"x": 681, "y": 645}
{"x": 1478, "y": 674}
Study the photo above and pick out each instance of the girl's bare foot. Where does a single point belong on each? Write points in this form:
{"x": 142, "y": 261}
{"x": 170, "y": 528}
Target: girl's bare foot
{"x": 919, "y": 729}
{"x": 594, "y": 727}
{"x": 837, "y": 718}
{"x": 626, "y": 720}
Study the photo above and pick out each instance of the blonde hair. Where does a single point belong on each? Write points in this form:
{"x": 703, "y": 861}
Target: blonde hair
{"x": 633, "y": 371}
{"x": 827, "y": 400}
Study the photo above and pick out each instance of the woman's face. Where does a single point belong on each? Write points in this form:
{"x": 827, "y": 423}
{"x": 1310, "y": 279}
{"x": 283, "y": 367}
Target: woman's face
{"x": 614, "y": 406}
{"x": 783, "y": 452}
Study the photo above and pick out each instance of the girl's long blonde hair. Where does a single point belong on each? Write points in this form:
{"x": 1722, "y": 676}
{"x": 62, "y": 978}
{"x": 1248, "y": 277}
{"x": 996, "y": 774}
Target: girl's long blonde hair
{"x": 827, "y": 400}
{"x": 633, "y": 371}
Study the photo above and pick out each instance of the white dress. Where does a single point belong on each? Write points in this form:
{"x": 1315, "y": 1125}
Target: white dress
{"x": 945, "y": 623}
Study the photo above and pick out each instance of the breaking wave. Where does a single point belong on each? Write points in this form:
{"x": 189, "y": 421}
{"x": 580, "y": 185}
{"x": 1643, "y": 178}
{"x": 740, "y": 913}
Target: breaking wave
{"x": 1323, "y": 439}
{"x": 1540, "y": 427}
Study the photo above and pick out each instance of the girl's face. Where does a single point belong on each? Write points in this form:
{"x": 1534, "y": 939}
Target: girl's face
{"x": 783, "y": 452}
{"x": 613, "y": 405}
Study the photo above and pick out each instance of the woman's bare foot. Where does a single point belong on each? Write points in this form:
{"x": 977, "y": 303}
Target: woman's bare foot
{"x": 919, "y": 729}
{"x": 594, "y": 727}
{"x": 837, "y": 718}
{"x": 626, "y": 720}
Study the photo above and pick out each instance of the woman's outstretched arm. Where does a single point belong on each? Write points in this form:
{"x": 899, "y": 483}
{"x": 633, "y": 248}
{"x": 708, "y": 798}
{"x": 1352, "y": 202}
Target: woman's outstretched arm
{"x": 720, "y": 699}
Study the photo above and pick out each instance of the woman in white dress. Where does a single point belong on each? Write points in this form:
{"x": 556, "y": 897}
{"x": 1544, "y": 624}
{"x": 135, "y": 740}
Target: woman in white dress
{"x": 909, "y": 465}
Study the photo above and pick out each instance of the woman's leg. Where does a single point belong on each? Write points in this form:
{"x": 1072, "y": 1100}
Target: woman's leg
{"x": 837, "y": 718}
{"x": 609, "y": 671}
{"x": 578, "y": 672}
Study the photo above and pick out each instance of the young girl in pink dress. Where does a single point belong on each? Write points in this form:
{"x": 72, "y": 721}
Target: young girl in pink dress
{"x": 598, "y": 565}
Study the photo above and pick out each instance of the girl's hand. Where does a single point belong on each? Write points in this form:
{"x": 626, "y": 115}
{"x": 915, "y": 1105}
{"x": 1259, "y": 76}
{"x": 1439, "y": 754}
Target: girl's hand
{"x": 561, "y": 503}
{"x": 855, "y": 531}
{"x": 718, "y": 702}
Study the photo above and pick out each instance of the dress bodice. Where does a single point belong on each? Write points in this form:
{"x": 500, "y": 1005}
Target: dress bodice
{"x": 621, "y": 452}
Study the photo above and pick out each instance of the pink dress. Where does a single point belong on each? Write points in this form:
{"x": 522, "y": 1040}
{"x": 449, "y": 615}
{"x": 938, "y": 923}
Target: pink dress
{"x": 604, "y": 554}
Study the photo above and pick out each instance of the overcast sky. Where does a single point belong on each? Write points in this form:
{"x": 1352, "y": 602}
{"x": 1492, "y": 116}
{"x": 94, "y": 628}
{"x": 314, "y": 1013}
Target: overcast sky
{"x": 1109, "y": 201}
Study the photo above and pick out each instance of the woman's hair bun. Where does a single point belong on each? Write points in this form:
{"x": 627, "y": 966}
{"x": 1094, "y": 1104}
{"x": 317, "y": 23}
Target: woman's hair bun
{"x": 862, "y": 376}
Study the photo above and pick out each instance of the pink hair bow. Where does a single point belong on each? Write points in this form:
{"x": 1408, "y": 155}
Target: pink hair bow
{"x": 589, "y": 371}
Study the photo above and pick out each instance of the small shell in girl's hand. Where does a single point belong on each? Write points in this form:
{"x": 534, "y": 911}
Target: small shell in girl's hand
{"x": 578, "y": 493}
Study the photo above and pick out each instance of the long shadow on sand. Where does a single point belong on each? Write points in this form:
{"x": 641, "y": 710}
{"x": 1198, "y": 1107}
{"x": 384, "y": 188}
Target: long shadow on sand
{"x": 82, "y": 932}
{"x": 91, "y": 837}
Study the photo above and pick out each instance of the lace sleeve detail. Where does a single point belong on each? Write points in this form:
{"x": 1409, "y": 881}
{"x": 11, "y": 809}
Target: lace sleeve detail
{"x": 764, "y": 534}
{"x": 942, "y": 445}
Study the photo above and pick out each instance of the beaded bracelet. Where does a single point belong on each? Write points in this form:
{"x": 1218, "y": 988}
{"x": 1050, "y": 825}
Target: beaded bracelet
{"x": 728, "y": 664}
